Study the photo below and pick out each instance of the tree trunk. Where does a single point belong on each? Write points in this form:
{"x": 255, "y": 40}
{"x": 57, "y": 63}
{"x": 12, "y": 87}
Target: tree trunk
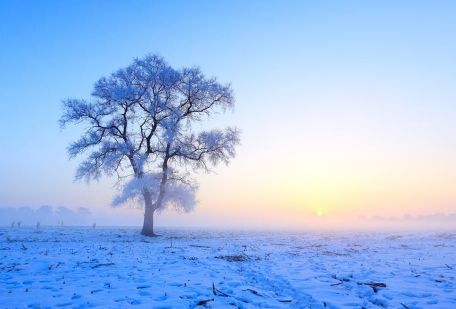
{"x": 148, "y": 226}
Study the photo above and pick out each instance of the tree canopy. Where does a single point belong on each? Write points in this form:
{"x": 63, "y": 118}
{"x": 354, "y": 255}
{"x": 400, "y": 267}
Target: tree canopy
{"x": 139, "y": 126}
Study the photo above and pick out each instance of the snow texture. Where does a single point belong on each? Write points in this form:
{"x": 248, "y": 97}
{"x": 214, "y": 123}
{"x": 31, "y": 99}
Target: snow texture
{"x": 118, "y": 268}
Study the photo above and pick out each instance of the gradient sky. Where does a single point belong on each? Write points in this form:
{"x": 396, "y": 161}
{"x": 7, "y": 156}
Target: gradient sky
{"x": 347, "y": 108}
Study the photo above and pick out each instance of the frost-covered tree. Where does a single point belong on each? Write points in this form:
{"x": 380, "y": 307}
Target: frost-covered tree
{"x": 139, "y": 126}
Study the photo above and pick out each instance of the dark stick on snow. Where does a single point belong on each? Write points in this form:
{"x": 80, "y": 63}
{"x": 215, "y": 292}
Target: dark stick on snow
{"x": 102, "y": 264}
{"x": 216, "y": 291}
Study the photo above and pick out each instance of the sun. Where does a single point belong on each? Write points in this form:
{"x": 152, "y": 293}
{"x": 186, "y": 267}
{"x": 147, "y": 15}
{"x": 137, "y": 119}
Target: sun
{"x": 320, "y": 213}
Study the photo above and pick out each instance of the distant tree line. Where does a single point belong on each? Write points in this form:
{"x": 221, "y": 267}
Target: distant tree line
{"x": 44, "y": 215}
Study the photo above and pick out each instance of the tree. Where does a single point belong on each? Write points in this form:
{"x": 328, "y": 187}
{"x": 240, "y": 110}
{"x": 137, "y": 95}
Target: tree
{"x": 140, "y": 127}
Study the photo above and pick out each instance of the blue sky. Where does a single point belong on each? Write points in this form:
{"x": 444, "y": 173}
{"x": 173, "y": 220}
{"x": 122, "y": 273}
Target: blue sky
{"x": 346, "y": 107}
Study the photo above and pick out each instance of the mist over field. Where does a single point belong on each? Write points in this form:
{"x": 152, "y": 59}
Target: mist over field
{"x": 228, "y": 154}
{"x": 57, "y": 216}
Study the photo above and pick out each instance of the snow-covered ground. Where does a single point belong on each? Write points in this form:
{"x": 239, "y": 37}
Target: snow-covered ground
{"x": 118, "y": 268}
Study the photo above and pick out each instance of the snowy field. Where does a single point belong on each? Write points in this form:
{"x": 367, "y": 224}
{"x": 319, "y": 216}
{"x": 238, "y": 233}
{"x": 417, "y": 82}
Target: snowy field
{"x": 118, "y": 268}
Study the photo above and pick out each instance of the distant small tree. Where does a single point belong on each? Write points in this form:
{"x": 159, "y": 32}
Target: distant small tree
{"x": 140, "y": 128}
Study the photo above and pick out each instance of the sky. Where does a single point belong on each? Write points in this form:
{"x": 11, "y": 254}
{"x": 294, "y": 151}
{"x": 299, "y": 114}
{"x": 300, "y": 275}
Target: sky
{"x": 346, "y": 108}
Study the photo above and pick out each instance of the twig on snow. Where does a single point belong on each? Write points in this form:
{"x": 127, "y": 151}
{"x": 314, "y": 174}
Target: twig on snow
{"x": 102, "y": 264}
{"x": 216, "y": 291}
{"x": 254, "y": 292}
